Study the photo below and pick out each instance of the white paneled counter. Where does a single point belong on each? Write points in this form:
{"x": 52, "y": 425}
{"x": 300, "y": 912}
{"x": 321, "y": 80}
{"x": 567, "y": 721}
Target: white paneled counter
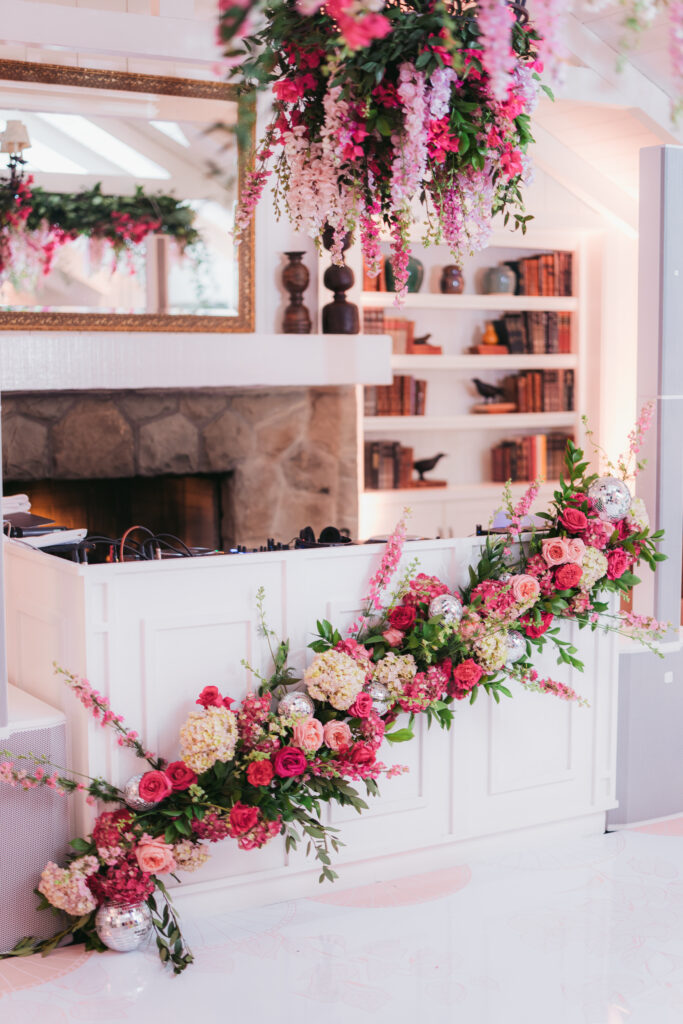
{"x": 152, "y": 635}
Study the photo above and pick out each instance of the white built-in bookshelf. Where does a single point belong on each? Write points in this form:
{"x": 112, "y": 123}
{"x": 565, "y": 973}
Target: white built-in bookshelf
{"x": 456, "y": 323}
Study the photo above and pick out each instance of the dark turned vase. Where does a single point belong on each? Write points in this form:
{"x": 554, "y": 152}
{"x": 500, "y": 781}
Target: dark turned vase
{"x": 452, "y": 282}
{"x": 339, "y": 316}
{"x": 295, "y": 278}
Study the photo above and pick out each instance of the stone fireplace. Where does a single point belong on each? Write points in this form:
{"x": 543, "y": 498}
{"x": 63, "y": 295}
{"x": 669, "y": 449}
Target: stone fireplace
{"x": 282, "y": 459}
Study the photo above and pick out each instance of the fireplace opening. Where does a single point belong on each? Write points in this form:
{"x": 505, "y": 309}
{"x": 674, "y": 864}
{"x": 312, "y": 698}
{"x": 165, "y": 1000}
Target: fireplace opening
{"x": 188, "y": 507}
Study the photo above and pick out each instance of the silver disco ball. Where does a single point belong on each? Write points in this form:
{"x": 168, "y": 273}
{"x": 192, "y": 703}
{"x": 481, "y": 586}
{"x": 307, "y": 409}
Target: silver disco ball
{"x": 131, "y": 794}
{"x": 611, "y": 497}
{"x": 123, "y": 927}
{"x": 505, "y": 577}
{"x": 516, "y": 645}
{"x": 297, "y": 703}
{"x": 448, "y": 606}
{"x": 381, "y": 698}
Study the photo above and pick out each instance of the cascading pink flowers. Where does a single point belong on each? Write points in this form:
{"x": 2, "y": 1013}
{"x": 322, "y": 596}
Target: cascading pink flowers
{"x": 391, "y": 556}
{"x": 549, "y": 20}
{"x": 495, "y": 30}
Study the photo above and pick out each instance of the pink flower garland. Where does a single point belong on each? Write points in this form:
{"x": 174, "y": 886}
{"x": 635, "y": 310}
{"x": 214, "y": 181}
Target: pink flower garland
{"x": 549, "y": 20}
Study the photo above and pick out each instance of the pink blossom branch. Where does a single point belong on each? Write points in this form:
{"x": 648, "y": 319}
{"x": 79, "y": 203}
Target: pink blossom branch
{"x": 387, "y": 567}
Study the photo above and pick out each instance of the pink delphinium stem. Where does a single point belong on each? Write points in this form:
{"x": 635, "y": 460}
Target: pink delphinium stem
{"x": 98, "y": 706}
{"x": 636, "y": 438}
{"x": 391, "y": 556}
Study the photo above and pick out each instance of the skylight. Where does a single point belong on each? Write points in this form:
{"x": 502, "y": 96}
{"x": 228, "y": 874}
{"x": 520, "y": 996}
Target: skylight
{"x": 173, "y": 130}
{"x": 41, "y": 157}
{"x": 107, "y": 144}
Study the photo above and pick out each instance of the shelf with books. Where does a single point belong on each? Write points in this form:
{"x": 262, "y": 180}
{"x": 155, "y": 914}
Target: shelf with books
{"x": 455, "y": 492}
{"x": 482, "y": 303}
{"x": 468, "y": 363}
{"x": 470, "y": 421}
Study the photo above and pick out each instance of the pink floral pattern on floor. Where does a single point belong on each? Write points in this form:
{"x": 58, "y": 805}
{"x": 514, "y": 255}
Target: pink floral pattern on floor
{"x": 402, "y": 892}
{"x": 26, "y": 972}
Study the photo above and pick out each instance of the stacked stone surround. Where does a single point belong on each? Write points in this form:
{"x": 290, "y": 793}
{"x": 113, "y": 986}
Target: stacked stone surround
{"x": 290, "y": 456}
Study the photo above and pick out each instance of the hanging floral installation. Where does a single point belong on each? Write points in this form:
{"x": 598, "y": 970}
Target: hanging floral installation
{"x": 382, "y": 112}
{"x": 35, "y": 223}
{"x": 264, "y": 767}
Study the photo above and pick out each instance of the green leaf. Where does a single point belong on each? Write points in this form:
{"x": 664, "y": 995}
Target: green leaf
{"x": 400, "y": 736}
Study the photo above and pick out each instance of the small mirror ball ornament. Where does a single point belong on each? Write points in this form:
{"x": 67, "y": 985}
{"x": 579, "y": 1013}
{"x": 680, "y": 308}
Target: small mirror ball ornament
{"x": 516, "y": 645}
{"x": 296, "y": 703}
{"x": 123, "y": 927}
{"x": 448, "y": 606}
{"x": 131, "y": 794}
{"x": 611, "y": 497}
{"x": 381, "y": 698}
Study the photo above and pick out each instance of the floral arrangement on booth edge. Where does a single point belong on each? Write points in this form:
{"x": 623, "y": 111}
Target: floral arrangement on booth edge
{"x": 34, "y": 224}
{"x": 381, "y": 105}
{"x": 265, "y": 767}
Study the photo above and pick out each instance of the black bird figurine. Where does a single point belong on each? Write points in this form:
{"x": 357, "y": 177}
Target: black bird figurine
{"x": 424, "y": 465}
{"x": 487, "y": 391}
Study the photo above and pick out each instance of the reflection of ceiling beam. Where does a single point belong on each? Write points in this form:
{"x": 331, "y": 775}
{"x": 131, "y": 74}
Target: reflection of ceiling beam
{"x": 114, "y": 32}
{"x": 582, "y": 179}
{"x": 62, "y": 142}
{"x": 644, "y": 100}
{"x": 188, "y": 173}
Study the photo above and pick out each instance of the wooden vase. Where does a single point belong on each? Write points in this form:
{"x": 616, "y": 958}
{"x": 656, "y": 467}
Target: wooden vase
{"x": 295, "y": 278}
{"x": 339, "y": 316}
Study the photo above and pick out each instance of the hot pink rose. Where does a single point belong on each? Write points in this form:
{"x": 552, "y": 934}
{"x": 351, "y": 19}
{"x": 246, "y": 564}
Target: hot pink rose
{"x": 243, "y": 818}
{"x": 180, "y": 776}
{"x": 308, "y": 734}
{"x": 337, "y": 735}
{"x": 555, "y": 550}
{"x": 155, "y": 857}
{"x": 393, "y": 637}
{"x": 362, "y": 706}
{"x": 361, "y": 754}
{"x": 574, "y": 520}
{"x": 289, "y": 761}
{"x": 466, "y": 675}
{"x": 210, "y": 697}
{"x": 154, "y": 786}
{"x": 568, "y": 576}
{"x": 576, "y": 550}
{"x": 535, "y": 629}
{"x": 618, "y": 561}
{"x": 260, "y": 773}
{"x": 525, "y": 589}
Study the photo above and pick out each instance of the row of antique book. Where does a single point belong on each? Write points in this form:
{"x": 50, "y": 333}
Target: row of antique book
{"x": 405, "y": 396}
{"x": 525, "y": 458}
{"x": 540, "y": 390}
{"x": 388, "y": 466}
{"x": 550, "y": 273}
{"x": 537, "y": 333}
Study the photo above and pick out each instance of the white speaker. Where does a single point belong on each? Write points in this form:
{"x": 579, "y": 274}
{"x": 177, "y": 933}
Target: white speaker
{"x": 34, "y": 824}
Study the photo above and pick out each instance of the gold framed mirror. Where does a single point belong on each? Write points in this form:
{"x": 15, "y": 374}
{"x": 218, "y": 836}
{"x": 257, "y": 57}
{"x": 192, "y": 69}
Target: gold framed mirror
{"x": 163, "y": 148}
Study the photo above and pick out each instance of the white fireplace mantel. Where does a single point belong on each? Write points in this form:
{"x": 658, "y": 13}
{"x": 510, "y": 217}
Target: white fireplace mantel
{"x": 99, "y": 360}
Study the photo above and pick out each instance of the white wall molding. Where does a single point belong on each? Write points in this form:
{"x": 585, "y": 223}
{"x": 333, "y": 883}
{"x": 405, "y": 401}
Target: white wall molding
{"x": 118, "y": 33}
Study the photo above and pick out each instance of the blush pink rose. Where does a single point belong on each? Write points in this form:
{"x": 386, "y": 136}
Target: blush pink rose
{"x": 525, "y": 589}
{"x": 155, "y": 857}
{"x": 337, "y": 735}
{"x": 393, "y": 636}
{"x": 555, "y": 550}
{"x": 308, "y": 734}
{"x": 575, "y": 550}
